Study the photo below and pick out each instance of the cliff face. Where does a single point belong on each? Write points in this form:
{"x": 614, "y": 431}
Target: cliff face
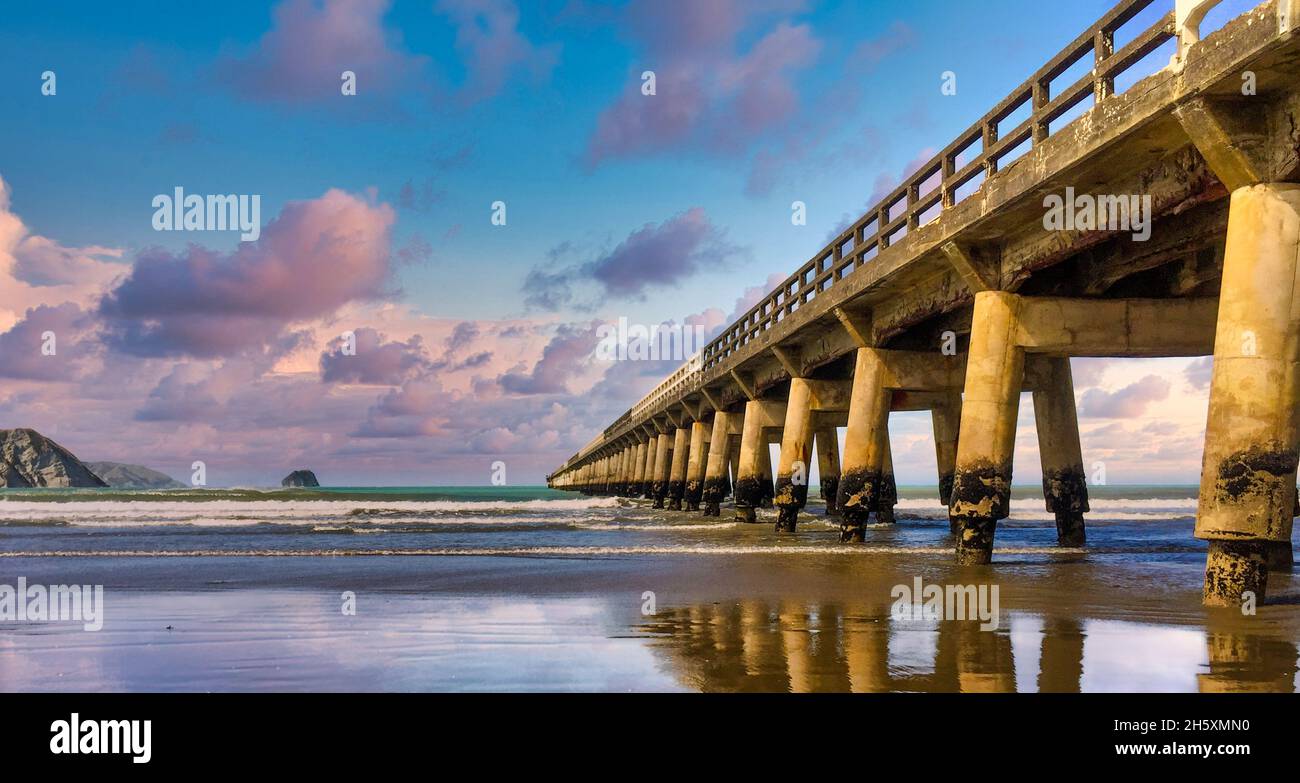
{"x": 123, "y": 476}
{"x": 300, "y": 478}
{"x": 29, "y": 459}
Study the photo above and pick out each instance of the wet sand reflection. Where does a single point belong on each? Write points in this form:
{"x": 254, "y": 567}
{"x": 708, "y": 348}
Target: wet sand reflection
{"x": 761, "y": 646}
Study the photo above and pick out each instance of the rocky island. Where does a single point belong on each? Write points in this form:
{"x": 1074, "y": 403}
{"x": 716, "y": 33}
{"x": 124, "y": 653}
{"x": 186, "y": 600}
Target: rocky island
{"x": 29, "y": 459}
{"x": 300, "y": 478}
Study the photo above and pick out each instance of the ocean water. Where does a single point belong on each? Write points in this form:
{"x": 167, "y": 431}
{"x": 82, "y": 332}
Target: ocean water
{"x": 526, "y": 521}
{"x": 533, "y": 589}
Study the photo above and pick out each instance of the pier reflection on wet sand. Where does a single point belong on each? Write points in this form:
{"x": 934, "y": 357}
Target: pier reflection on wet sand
{"x": 761, "y": 646}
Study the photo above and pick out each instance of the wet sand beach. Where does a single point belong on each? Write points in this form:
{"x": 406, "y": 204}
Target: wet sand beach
{"x": 556, "y": 596}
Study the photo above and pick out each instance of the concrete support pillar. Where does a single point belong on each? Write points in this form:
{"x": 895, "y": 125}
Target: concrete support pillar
{"x": 946, "y": 419}
{"x": 625, "y": 471}
{"x": 1064, "y": 489}
{"x": 716, "y": 483}
{"x": 863, "y": 447}
{"x": 662, "y": 464}
{"x": 677, "y": 472}
{"x": 636, "y": 484}
{"x": 749, "y": 473}
{"x": 796, "y": 449}
{"x": 651, "y": 457}
{"x": 827, "y": 444}
{"x": 648, "y": 469}
{"x": 627, "y": 479}
{"x": 981, "y": 492}
{"x": 696, "y": 465}
{"x": 887, "y": 494}
{"x": 1247, "y": 472}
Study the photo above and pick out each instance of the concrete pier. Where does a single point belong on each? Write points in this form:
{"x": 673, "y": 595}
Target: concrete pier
{"x": 1248, "y": 489}
{"x": 955, "y": 294}
{"x": 796, "y": 451}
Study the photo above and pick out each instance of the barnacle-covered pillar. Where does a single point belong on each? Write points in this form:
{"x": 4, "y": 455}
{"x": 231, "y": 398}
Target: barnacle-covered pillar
{"x": 1064, "y": 489}
{"x": 981, "y": 493}
{"x": 1248, "y": 470}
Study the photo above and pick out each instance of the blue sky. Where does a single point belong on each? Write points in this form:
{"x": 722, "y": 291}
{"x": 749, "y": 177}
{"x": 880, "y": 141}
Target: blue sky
{"x": 462, "y": 103}
{"x": 139, "y": 110}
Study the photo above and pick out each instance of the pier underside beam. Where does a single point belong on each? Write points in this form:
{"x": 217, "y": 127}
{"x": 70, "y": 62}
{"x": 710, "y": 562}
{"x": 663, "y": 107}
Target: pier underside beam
{"x": 1116, "y": 327}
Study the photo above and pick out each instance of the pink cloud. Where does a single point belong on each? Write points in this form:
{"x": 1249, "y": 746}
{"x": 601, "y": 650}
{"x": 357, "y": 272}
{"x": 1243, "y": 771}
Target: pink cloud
{"x": 372, "y": 360}
{"x": 36, "y": 270}
{"x": 1127, "y": 403}
{"x": 315, "y": 257}
{"x": 491, "y": 46}
{"x": 706, "y": 93}
{"x": 1199, "y": 371}
{"x": 564, "y": 357}
{"x": 301, "y": 58}
{"x": 22, "y": 353}
{"x": 654, "y": 255}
